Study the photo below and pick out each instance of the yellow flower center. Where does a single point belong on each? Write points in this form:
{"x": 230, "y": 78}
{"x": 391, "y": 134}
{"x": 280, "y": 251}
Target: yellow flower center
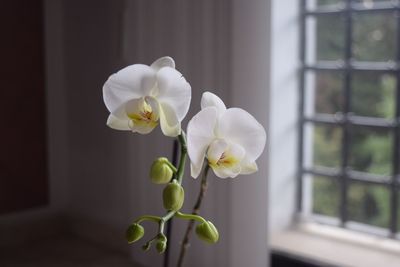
{"x": 225, "y": 161}
{"x": 144, "y": 116}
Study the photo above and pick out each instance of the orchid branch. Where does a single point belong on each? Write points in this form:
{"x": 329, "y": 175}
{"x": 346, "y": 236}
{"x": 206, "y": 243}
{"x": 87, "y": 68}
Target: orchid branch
{"x": 182, "y": 160}
{"x": 196, "y": 209}
{"x": 135, "y": 231}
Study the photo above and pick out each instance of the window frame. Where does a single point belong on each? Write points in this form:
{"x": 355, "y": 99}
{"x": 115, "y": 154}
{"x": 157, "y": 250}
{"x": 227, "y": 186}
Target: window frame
{"x": 346, "y": 119}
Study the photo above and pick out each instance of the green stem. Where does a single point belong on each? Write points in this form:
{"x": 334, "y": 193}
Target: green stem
{"x": 179, "y": 177}
{"x": 173, "y": 168}
{"x": 164, "y": 219}
{"x": 190, "y": 217}
{"x": 161, "y": 223}
{"x": 182, "y": 160}
{"x": 147, "y": 245}
{"x": 148, "y": 218}
{"x": 196, "y": 210}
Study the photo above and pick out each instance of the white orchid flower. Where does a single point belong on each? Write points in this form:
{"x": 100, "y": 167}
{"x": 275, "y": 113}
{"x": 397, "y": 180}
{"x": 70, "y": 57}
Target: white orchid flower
{"x": 229, "y": 139}
{"x": 139, "y": 96}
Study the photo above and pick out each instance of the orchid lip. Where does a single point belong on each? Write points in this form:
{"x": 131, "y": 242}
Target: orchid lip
{"x": 222, "y": 155}
{"x": 224, "y": 161}
{"x": 142, "y": 114}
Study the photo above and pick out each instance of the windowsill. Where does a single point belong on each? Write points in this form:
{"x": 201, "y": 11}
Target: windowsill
{"x": 336, "y": 246}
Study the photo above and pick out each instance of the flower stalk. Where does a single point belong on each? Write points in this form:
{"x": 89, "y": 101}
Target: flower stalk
{"x": 182, "y": 160}
{"x": 196, "y": 210}
{"x": 177, "y": 178}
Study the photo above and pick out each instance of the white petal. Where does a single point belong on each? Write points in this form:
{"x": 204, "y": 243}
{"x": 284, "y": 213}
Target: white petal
{"x": 134, "y": 106}
{"x": 236, "y": 151}
{"x": 227, "y": 172}
{"x": 132, "y": 82}
{"x": 239, "y": 127}
{"x": 173, "y": 90}
{"x": 170, "y": 125}
{"x": 248, "y": 167}
{"x": 215, "y": 150}
{"x": 210, "y": 100}
{"x": 200, "y": 133}
{"x": 142, "y": 129}
{"x": 228, "y": 161}
{"x": 155, "y": 106}
{"x": 117, "y": 124}
{"x": 163, "y": 62}
{"x": 196, "y": 169}
{"x": 120, "y": 112}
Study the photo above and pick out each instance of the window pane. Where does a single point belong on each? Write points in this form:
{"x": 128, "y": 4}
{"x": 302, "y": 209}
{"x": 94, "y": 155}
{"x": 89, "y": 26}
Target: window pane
{"x": 324, "y": 92}
{"x": 325, "y": 196}
{"x": 374, "y": 36}
{"x": 326, "y": 145}
{"x": 374, "y": 94}
{"x": 328, "y": 2}
{"x": 369, "y": 204}
{"x": 371, "y": 150}
{"x": 372, "y": 3}
{"x": 325, "y": 38}
{"x": 315, "y": 4}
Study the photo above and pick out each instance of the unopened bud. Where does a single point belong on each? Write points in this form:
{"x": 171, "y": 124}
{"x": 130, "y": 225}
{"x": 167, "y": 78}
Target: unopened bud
{"x": 134, "y": 232}
{"x": 161, "y": 244}
{"x": 161, "y": 171}
{"x": 173, "y": 196}
{"x": 146, "y": 246}
{"x": 207, "y": 232}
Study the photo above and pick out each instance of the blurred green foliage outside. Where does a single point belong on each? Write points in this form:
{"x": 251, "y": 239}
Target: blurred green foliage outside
{"x": 372, "y": 95}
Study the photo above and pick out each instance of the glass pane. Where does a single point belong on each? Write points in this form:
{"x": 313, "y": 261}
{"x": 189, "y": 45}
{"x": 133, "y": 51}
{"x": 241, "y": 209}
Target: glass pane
{"x": 374, "y": 36}
{"x": 372, "y": 3}
{"x": 324, "y": 92}
{"x": 374, "y": 95}
{"x": 325, "y": 196}
{"x": 325, "y": 38}
{"x": 314, "y": 4}
{"x": 371, "y": 150}
{"x": 326, "y": 145}
{"x": 369, "y": 204}
{"x": 329, "y": 2}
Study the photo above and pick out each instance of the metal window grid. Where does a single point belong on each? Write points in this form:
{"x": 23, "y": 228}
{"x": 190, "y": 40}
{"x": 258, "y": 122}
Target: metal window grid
{"x": 346, "y": 119}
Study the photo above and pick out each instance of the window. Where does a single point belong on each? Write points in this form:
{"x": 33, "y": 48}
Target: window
{"x": 349, "y": 152}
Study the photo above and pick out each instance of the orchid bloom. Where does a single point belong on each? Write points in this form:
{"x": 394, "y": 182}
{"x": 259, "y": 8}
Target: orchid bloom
{"x": 229, "y": 139}
{"x": 139, "y": 96}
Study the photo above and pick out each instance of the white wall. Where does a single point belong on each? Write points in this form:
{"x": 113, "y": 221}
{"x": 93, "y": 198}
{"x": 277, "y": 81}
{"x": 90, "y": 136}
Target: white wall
{"x": 283, "y": 113}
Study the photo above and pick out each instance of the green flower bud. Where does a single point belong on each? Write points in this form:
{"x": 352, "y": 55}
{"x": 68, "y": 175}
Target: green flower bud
{"x": 173, "y": 196}
{"x": 146, "y": 246}
{"x": 134, "y": 232}
{"x": 161, "y": 244}
{"x": 161, "y": 171}
{"x": 207, "y": 232}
